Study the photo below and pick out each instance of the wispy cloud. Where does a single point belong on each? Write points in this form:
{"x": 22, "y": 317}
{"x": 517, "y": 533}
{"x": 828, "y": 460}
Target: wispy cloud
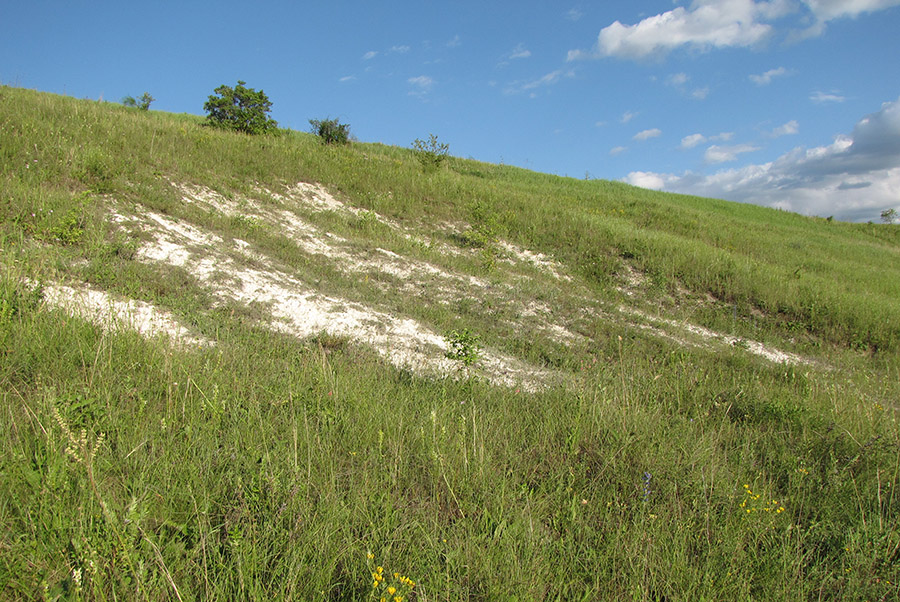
{"x": 370, "y": 55}
{"x": 519, "y": 52}
{"x": 398, "y": 50}
{"x": 789, "y": 128}
{"x": 647, "y": 134}
{"x": 814, "y": 181}
{"x": 574, "y": 14}
{"x": 454, "y": 41}
{"x": 823, "y": 97}
{"x": 725, "y": 154}
{"x": 347, "y": 78}
{"x": 628, "y": 116}
{"x": 421, "y": 85}
{"x": 697, "y": 139}
{"x": 618, "y": 150}
{"x": 764, "y": 79}
{"x": 546, "y": 80}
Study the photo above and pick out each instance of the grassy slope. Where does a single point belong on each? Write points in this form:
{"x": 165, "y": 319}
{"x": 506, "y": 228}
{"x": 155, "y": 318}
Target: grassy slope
{"x": 269, "y": 466}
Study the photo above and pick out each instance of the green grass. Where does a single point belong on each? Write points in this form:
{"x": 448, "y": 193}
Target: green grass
{"x": 267, "y": 467}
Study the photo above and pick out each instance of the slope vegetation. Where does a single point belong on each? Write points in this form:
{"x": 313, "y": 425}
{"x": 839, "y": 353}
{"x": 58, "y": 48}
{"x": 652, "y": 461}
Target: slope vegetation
{"x": 225, "y": 373}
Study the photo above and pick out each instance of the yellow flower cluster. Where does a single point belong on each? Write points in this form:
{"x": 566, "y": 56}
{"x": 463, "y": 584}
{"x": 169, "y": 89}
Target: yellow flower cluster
{"x": 394, "y": 590}
{"x": 749, "y": 504}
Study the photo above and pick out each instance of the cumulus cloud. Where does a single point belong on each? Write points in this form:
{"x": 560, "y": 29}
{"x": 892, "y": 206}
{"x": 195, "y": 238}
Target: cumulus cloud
{"x": 766, "y": 78}
{"x": 853, "y": 178}
{"x": 646, "y": 179}
{"x": 647, "y": 134}
{"x": 709, "y": 24}
{"x": 705, "y": 24}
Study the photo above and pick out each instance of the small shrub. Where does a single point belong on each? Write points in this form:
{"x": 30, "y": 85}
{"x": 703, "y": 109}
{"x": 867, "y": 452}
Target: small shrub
{"x": 331, "y": 131}
{"x": 889, "y": 216}
{"x": 464, "y": 347}
{"x": 142, "y": 103}
{"x": 431, "y": 154}
{"x": 240, "y": 109}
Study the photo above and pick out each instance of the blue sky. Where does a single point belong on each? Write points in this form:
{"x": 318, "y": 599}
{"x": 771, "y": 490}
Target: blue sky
{"x": 786, "y": 103}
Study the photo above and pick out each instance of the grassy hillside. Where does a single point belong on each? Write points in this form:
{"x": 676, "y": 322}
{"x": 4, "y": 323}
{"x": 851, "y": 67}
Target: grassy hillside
{"x": 677, "y": 398}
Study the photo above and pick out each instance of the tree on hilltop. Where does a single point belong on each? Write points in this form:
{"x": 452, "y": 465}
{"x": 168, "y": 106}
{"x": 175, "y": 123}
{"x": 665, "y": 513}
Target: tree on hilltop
{"x": 240, "y": 109}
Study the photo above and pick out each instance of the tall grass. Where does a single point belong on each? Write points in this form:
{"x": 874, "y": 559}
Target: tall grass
{"x": 271, "y": 468}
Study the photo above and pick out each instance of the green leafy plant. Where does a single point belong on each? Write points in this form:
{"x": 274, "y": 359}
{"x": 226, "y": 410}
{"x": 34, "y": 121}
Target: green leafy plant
{"x": 464, "y": 347}
{"x": 142, "y": 103}
{"x": 331, "y": 131}
{"x": 431, "y": 154}
{"x": 889, "y": 216}
{"x": 240, "y": 109}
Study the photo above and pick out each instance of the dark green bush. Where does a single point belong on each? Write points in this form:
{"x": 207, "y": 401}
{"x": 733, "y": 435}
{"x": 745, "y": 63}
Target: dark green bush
{"x": 240, "y": 109}
{"x": 331, "y": 131}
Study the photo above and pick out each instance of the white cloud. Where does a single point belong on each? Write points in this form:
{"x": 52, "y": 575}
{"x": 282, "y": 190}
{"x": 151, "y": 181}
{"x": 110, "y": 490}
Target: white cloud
{"x": 706, "y": 24}
{"x": 454, "y": 42}
{"x": 765, "y": 79}
{"x": 370, "y": 55}
{"x": 421, "y": 84}
{"x": 692, "y": 140}
{"x": 647, "y": 134}
{"x": 677, "y": 79}
{"x": 821, "y": 97}
{"x": 791, "y": 127}
{"x": 574, "y": 14}
{"x": 618, "y": 150}
{"x": 347, "y": 78}
{"x": 645, "y": 179}
{"x": 826, "y": 10}
{"x": 700, "y": 93}
{"x": 398, "y": 50}
{"x": 546, "y": 80}
{"x": 854, "y": 178}
{"x": 628, "y": 116}
{"x": 520, "y": 52}
{"x": 724, "y": 154}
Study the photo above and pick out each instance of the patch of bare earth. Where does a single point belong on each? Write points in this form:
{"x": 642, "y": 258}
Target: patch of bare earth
{"x": 298, "y": 309}
{"x": 112, "y": 313}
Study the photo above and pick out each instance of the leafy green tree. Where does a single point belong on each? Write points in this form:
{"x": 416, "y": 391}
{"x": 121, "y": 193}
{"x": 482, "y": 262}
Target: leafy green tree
{"x": 889, "y": 216}
{"x": 240, "y": 109}
{"x": 142, "y": 103}
{"x": 331, "y": 131}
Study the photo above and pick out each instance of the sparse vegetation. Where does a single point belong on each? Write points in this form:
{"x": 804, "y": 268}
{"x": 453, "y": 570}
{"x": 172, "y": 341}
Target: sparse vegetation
{"x": 331, "y": 131}
{"x": 271, "y": 467}
{"x": 142, "y": 103}
{"x": 889, "y": 216}
{"x": 240, "y": 109}
{"x": 431, "y": 153}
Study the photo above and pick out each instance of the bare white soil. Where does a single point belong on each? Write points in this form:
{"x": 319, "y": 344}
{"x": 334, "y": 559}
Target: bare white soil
{"x": 234, "y": 271}
{"x": 114, "y": 314}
